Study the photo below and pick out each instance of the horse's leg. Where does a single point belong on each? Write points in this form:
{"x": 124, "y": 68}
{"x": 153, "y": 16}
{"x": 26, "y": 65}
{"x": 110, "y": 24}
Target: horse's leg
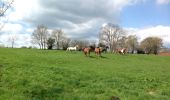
{"x": 120, "y": 52}
{"x": 100, "y": 53}
{"x": 85, "y": 53}
{"x": 123, "y": 52}
{"x": 96, "y": 53}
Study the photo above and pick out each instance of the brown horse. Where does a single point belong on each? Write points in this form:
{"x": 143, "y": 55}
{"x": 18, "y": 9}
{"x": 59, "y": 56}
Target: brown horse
{"x": 86, "y": 51}
{"x": 121, "y": 50}
{"x": 98, "y": 51}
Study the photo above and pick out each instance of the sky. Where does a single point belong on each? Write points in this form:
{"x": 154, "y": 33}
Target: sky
{"x": 82, "y": 19}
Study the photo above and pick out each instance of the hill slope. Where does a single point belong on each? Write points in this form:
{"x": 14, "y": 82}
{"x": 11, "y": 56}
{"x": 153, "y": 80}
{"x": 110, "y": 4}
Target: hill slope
{"x": 27, "y": 74}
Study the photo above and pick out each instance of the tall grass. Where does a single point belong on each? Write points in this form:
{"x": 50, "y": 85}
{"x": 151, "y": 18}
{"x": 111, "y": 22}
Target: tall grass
{"x": 28, "y": 74}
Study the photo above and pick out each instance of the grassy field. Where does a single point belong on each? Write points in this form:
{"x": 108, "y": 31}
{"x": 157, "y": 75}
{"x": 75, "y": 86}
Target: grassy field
{"x": 27, "y": 74}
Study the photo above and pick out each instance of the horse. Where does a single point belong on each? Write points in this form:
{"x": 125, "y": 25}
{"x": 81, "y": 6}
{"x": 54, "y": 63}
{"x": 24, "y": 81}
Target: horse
{"x": 86, "y": 51}
{"x": 98, "y": 51}
{"x": 72, "y": 48}
{"x": 121, "y": 50}
{"x": 104, "y": 49}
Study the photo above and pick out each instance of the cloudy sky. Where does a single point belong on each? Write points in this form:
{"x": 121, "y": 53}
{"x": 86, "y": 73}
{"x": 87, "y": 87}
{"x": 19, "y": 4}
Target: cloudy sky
{"x": 84, "y": 18}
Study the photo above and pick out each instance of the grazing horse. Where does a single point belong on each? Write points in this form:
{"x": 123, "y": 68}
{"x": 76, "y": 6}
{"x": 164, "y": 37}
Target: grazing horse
{"x": 86, "y": 51}
{"x": 72, "y": 48}
{"x": 98, "y": 51}
{"x": 121, "y": 51}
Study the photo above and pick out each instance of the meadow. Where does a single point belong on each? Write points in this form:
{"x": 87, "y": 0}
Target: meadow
{"x": 30, "y": 74}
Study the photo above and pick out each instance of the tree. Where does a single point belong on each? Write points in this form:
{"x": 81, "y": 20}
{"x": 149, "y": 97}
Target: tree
{"x": 110, "y": 35}
{"x": 151, "y": 45}
{"x": 40, "y": 36}
{"x": 122, "y": 42}
{"x": 65, "y": 43}
{"x": 4, "y": 6}
{"x": 50, "y": 43}
{"x": 12, "y": 39}
{"x": 81, "y": 43}
{"x": 132, "y": 43}
{"x": 57, "y": 34}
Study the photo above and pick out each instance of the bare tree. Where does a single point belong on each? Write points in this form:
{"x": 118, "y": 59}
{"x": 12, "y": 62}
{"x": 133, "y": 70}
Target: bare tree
{"x": 12, "y": 39}
{"x": 122, "y": 42}
{"x": 40, "y": 36}
{"x": 57, "y": 34}
{"x": 110, "y": 35}
{"x": 4, "y": 6}
{"x": 151, "y": 45}
{"x": 132, "y": 43}
{"x": 65, "y": 43}
{"x": 93, "y": 43}
{"x": 81, "y": 43}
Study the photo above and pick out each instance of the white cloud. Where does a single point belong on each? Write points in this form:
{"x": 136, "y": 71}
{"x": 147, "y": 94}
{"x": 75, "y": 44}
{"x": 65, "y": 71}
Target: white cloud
{"x": 163, "y": 1}
{"x": 120, "y": 4}
{"x": 78, "y": 29}
{"x": 11, "y": 28}
{"x": 76, "y": 11}
{"x": 23, "y": 9}
{"x": 157, "y": 31}
{"x": 77, "y": 16}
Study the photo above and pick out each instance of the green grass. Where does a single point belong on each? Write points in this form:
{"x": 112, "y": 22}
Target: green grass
{"x": 27, "y": 74}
